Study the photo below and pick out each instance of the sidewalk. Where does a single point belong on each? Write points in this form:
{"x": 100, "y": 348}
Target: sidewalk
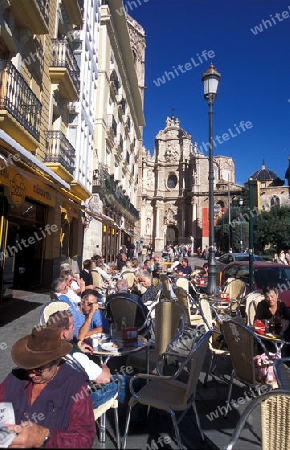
{"x": 20, "y": 314}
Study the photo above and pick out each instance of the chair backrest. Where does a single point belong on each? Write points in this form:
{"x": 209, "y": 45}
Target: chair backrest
{"x": 251, "y": 303}
{"x": 235, "y": 288}
{"x": 282, "y": 372}
{"x": 205, "y": 310}
{"x": 165, "y": 286}
{"x": 183, "y": 282}
{"x": 183, "y": 300}
{"x": 130, "y": 277}
{"x": 50, "y": 308}
{"x": 125, "y": 307}
{"x": 240, "y": 341}
{"x": 156, "y": 283}
{"x": 275, "y": 427}
{"x": 97, "y": 279}
{"x": 169, "y": 323}
{"x": 197, "y": 357}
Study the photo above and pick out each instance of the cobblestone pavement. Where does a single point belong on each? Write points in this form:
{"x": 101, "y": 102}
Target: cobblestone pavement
{"x": 19, "y": 314}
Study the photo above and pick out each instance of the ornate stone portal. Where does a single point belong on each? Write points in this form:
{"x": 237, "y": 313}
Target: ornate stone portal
{"x": 174, "y": 197}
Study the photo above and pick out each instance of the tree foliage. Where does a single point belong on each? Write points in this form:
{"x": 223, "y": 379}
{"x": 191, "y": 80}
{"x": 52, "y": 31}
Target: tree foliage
{"x": 272, "y": 228}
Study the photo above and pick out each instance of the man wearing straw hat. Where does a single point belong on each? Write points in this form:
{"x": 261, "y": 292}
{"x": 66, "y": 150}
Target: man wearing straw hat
{"x": 51, "y": 404}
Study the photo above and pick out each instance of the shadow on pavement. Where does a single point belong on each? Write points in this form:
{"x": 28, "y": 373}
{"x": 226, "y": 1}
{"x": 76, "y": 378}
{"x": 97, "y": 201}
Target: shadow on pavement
{"x": 15, "y": 308}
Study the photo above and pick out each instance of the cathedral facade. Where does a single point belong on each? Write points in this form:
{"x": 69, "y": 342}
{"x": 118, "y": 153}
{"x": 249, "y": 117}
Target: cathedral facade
{"x": 174, "y": 191}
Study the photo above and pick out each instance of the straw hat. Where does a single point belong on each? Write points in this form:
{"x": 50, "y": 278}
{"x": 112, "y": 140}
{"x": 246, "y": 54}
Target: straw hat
{"x": 41, "y": 347}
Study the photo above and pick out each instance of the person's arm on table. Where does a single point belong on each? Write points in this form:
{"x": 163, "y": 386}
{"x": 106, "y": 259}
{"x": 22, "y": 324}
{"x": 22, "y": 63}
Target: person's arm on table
{"x": 84, "y": 330}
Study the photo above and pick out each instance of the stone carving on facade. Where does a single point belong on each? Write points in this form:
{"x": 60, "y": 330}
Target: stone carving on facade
{"x": 170, "y": 217}
{"x": 148, "y": 180}
{"x": 171, "y": 153}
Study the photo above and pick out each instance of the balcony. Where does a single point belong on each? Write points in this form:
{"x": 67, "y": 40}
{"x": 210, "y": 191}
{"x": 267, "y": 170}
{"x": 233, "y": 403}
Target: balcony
{"x": 32, "y": 14}
{"x": 73, "y": 12}
{"x": 111, "y": 125}
{"x": 112, "y": 193}
{"x": 60, "y": 155}
{"x": 64, "y": 70}
{"x": 20, "y": 109}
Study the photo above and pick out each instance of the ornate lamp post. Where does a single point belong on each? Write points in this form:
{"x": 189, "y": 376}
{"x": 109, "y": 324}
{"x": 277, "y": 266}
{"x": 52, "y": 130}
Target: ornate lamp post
{"x": 241, "y": 202}
{"x": 210, "y": 80}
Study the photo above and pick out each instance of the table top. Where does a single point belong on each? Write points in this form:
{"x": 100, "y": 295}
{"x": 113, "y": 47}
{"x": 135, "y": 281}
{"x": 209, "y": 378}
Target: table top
{"x": 123, "y": 347}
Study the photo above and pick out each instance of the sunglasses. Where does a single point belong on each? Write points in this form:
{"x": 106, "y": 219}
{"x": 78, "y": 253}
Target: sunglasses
{"x": 40, "y": 370}
{"x": 89, "y": 303}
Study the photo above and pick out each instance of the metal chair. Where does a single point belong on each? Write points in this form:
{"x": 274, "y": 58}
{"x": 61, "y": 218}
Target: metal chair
{"x": 166, "y": 289}
{"x": 187, "y": 303}
{"x": 275, "y": 425}
{"x": 251, "y": 302}
{"x": 236, "y": 288}
{"x": 168, "y": 393}
{"x": 242, "y": 344}
{"x": 129, "y": 276}
{"x": 183, "y": 283}
{"x": 168, "y": 325}
{"x": 97, "y": 279}
{"x": 119, "y": 307}
{"x": 282, "y": 372}
{"x": 210, "y": 323}
{"x": 50, "y": 308}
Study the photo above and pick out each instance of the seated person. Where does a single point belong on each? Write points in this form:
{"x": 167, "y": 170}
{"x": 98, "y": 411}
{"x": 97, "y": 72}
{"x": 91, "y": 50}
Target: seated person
{"x": 274, "y": 310}
{"x": 71, "y": 293}
{"x": 106, "y": 278}
{"x": 86, "y": 315}
{"x": 63, "y": 320}
{"x": 90, "y": 320}
{"x": 149, "y": 296}
{"x": 121, "y": 262}
{"x": 86, "y": 275}
{"x": 183, "y": 268}
{"x": 42, "y": 390}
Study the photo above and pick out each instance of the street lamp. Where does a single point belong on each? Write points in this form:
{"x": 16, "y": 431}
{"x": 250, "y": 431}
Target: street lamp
{"x": 210, "y": 80}
{"x": 241, "y": 202}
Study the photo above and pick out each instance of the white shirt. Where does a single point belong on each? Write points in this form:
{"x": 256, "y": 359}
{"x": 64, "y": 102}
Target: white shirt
{"x": 92, "y": 369}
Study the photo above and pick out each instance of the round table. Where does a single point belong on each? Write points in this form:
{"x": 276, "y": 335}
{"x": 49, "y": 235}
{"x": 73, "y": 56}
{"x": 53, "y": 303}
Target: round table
{"x": 125, "y": 348}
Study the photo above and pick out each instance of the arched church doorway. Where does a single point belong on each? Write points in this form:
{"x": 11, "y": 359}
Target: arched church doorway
{"x": 171, "y": 235}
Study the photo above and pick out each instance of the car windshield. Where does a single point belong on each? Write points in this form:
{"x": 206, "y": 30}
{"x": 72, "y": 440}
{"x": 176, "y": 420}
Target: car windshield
{"x": 266, "y": 276}
{"x": 242, "y": 258}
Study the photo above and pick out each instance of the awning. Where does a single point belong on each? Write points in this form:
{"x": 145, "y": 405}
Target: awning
{"x": 26, "y": 155}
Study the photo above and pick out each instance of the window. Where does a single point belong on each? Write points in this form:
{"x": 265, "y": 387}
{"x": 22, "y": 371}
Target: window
{"x": 172, "y": 181}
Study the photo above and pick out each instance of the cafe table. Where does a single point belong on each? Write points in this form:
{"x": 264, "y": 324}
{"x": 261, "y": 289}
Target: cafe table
{"x": 108, "y": 348}
{"x": 277, "y": 339}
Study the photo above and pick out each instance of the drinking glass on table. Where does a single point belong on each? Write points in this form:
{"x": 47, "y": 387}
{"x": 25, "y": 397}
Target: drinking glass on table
{"x": 113, "y": 331}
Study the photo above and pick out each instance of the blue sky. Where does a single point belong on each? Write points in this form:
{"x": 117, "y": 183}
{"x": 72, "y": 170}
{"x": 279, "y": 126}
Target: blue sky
{"x": 255, "y": 69}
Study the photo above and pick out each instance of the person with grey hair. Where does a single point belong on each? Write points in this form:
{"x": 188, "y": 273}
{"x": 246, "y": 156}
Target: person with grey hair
{"x": 150, "y": 295}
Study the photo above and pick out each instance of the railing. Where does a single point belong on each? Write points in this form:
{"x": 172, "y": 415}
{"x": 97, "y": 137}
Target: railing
{"x": 17, "y": 98}
{"x": 62, "y": 56}
{"x": 111, "y": 123}
{"x": 59, "y": 150}
{"x": 110, "y": 188}
{"x": 43, "y": 6}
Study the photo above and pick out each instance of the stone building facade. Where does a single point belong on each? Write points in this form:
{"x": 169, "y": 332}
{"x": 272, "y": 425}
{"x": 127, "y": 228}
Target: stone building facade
{"x": 111, "y": 212}
{"x": 174, "y": 191}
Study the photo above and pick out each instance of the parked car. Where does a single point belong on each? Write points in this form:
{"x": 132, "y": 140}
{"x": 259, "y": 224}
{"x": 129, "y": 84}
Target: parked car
{"x": 227, "y": 258}
{"x": 265, "y": 273}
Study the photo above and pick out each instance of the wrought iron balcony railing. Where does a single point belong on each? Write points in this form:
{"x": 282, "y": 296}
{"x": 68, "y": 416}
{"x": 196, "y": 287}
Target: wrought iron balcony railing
{"x": 17, "y": 99}
{"x": 111, "y": 123}
{"x": 43, "y": 6}
{"x": 62, "y": 56}
{"x": 105, "y": 183}
{"x": 59, "y": 150}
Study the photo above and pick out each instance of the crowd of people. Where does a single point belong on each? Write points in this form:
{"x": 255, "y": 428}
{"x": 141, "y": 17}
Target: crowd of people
{"x": 53, "y": 402}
